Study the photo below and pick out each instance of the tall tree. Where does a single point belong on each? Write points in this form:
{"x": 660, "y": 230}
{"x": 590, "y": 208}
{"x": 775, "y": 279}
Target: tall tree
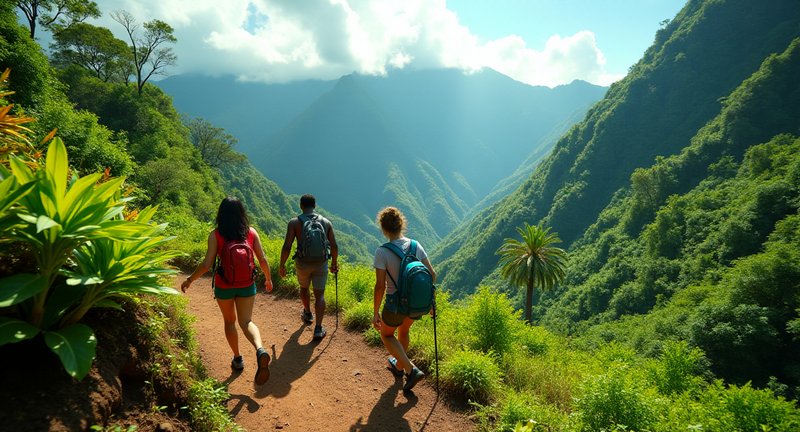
{"x": 57, "y": 14}
{"x": 216, "y": 146}
{"x": 532, "y": 262}
{"x": 95, "y": 49}
{"x": 148, "y": 46}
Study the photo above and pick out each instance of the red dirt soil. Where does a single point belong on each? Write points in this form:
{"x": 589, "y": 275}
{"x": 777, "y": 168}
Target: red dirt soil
{"x": 337, "y": 384}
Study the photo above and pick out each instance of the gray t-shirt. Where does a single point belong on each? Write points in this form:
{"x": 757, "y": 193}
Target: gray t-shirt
{"x": 389, "y": 261}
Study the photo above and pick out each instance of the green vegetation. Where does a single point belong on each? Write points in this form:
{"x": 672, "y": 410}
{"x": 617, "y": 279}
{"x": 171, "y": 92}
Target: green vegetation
{"x": 696, "y": 61}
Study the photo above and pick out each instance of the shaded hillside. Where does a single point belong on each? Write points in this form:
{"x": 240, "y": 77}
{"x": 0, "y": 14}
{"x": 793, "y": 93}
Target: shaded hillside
{"x": 270, "y": 209}
{"x": 698, "y": 58}
{"x": 250, "y": 111}
{"x": 432, "y": 142}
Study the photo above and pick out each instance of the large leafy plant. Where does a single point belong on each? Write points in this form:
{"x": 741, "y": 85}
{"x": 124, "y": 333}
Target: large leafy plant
{"x": 87, "y": 254}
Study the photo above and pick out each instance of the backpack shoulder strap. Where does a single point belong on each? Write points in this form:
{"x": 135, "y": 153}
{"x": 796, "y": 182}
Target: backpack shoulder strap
{"x": 302, "y": 218}
{"x": 412, "y": 248}
{"x": 394, "y": 248}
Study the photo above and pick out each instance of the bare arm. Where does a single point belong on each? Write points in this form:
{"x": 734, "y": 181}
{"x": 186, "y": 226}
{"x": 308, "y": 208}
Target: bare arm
{"x": 287, "y": 248}
{"x": 380, "y": 288}
{"x": 334, "y": 249}
{"x": 262, "y": 261}
{"x": 205, "y": 265}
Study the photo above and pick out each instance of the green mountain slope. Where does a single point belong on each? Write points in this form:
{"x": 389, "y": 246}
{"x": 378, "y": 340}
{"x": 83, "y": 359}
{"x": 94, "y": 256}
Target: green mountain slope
{"x": 698, "y": 58}
{"x": 431, "y": 142}
{"x": 270, "y": 209}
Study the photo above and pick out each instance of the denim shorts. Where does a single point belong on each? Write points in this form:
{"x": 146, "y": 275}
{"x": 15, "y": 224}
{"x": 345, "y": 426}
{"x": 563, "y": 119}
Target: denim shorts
{"x": 229, "y": 293}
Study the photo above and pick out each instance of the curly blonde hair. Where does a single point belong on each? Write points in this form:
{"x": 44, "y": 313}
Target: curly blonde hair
{"x": 392, "y": 220}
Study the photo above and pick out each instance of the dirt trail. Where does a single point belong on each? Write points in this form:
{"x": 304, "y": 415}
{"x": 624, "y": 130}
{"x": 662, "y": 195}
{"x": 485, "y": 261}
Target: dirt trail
{"x": 337, "y": 384}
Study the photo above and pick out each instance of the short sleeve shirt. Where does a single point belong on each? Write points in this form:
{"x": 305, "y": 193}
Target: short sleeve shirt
{"x": 389, "y": 261}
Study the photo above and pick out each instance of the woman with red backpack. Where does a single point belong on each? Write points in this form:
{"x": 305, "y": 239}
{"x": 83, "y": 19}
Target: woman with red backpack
{"x": 236, "y": 244}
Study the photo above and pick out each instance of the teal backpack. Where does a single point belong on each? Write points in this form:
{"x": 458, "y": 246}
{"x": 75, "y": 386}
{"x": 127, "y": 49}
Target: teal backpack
{"x": 414, "y": 295}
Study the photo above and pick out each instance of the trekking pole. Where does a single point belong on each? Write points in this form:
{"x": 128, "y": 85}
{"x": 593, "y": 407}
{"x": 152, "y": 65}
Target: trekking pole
{"x": 336, "y": 279}
{"x": 435, "y": 345}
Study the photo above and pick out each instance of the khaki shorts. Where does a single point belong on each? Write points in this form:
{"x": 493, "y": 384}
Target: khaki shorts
{"x": 312, "y": 275}
{"x": 393, "y": 319}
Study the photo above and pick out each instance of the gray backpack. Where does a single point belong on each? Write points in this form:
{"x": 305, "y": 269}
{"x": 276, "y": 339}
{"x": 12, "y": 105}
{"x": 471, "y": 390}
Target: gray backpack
{"x": 313, "y": 243}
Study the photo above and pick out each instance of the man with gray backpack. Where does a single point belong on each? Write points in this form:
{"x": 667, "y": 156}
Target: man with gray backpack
{"x": 316, "y": 243}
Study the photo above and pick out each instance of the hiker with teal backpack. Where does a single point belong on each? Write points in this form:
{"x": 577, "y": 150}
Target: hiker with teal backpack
{"x": 316, "y": 243}
{"x": 404, "y": 273}
{"x": 232, "y": 248}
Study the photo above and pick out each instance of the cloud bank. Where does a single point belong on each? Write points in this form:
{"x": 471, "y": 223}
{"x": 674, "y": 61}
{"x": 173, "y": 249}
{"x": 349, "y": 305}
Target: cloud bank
{"x": 287, "y": 40}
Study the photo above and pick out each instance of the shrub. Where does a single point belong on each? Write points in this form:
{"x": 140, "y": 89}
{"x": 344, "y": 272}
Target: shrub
{"x": 677, "y": 368}
{"x": 206, "y": 408}
{"x": 359, "y": 317}
{"x": 372, "y": 337}
{"x": 611, "y": 400}
{"x": 473, "y": 374}
{"x": 490, "y": 322}
{"x": 552, "y": 378}
{"x": 531, "y": 339}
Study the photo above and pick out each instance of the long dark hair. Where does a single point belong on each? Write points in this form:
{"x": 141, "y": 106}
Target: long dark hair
{"x": 232, "y": 220}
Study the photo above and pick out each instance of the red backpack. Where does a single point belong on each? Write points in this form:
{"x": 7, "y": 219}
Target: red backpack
{"x": 235, "y": 266}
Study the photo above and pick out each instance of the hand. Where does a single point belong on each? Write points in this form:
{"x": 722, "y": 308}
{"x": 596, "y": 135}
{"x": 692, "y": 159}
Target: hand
{"x": 376, "y": 321}
{"x": 282, "y": 271}
{"x": 268, "y": 284}
{"x": 185, "y": 284}
{"x": 334, "y": 267}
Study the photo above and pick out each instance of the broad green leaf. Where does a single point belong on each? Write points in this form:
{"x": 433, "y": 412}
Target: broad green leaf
{"x": 57, "y": 166}
{"x": 28, "y": 218}
{"x": 62, "y": 299}
{"x": 20, "y": 170}
{"x": 75, "y": 346}
{"x": 84, "y": 280}
{"x": 20, "y": 287}
{"x": 43, "y": 222}
{"x": 13, "y": 330}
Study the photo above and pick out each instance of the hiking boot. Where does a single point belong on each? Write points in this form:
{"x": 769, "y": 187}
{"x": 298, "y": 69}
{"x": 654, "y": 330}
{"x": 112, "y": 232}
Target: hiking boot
{"x": 262, "y": 374}
{"x": 307, "y": 317}
{"x": 413, "y": 378}
{"x": 319, "y": 332}
{"x": 393, "y": 367}
{"x": 237, "y": 363}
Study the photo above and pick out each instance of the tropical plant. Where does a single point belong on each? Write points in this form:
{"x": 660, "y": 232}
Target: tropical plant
{"x": 76, "y": 229}
{"x": 532, "y": 262}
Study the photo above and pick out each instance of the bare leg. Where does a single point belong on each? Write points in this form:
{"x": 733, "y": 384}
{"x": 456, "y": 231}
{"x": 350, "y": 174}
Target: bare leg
{"x": 304, "y": 298}
{"x": 228, "y": 309}
{"x": 244, "y": 309}
{"x": 403, "y": 331}
{"x": 395, "y": 347}
{"x": 319, "y": 305}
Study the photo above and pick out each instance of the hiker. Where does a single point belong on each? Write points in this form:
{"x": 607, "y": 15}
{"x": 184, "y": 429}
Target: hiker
{"x": 387, "y": 263}
{"x": 236, "y": 244}
{"x": 316, "y": 243}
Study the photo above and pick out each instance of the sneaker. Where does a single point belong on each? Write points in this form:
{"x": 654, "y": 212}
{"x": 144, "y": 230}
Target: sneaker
{"x": 237, "y": 363}
{"x": 319, "y": 332}
{"x": 413, "y": 378}
{"x": 393, "y": 367}
{"x": 307, "y": 317}
{"x": 262, "y": 374}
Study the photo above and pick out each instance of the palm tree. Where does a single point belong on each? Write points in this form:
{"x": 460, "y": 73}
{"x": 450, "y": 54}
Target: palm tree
{"x": 534, "y": 261}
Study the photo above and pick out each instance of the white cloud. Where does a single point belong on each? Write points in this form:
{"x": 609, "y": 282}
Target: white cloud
{"x": 284, "y": 40}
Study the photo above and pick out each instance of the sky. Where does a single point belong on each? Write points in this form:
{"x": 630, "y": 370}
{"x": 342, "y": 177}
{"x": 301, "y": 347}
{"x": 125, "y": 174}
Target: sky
{"x": 538, "y": 42}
